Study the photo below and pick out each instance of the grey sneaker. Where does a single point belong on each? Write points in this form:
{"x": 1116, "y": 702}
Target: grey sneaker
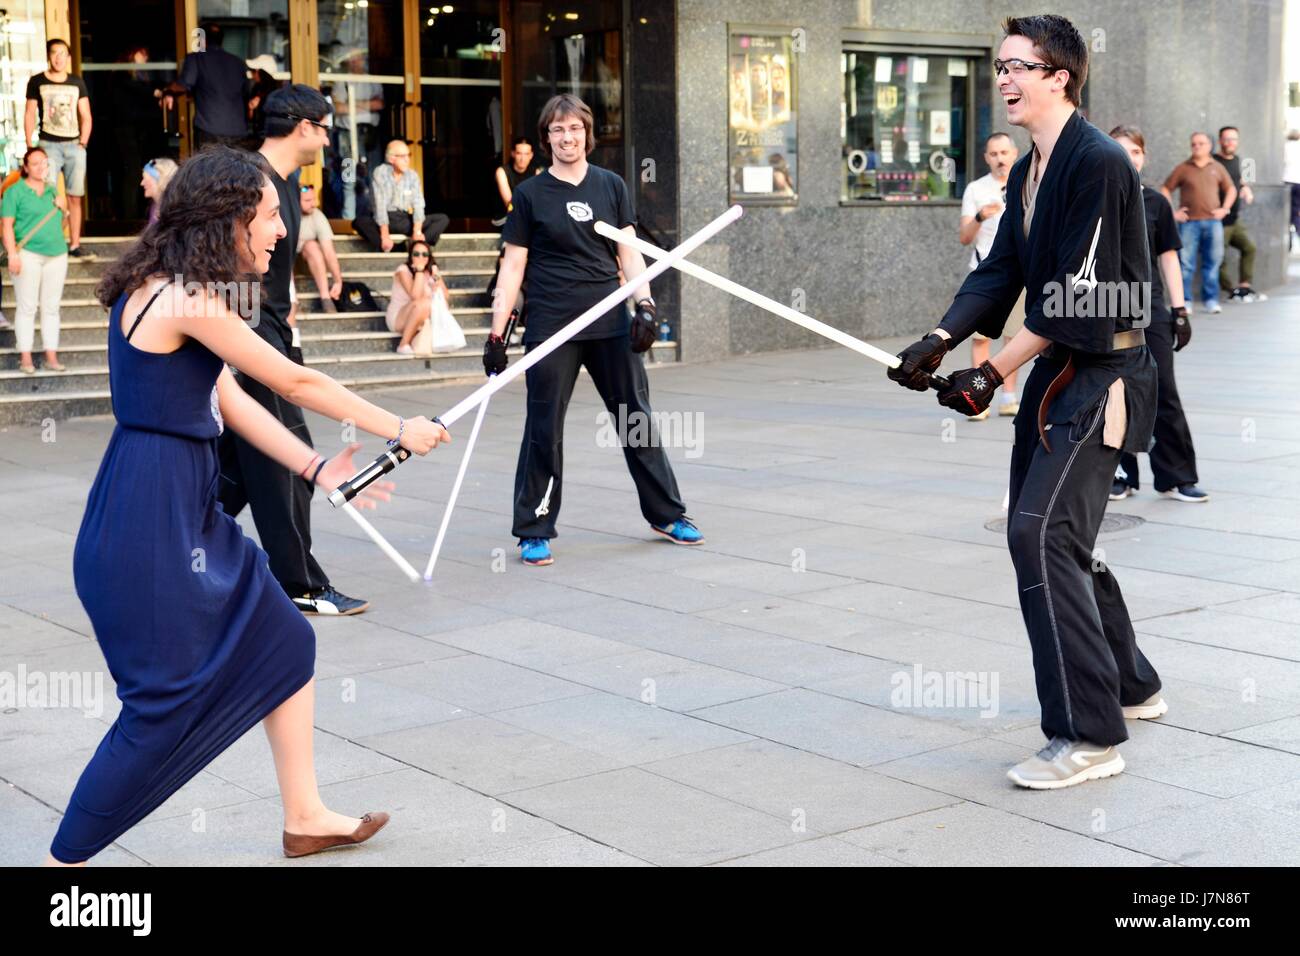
{"x": 1063, "y": 763}
{"x": 1153, "y": 706}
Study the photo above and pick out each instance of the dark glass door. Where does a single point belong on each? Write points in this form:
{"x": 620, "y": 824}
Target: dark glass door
{"x": 462, "y": 123}
{"x": 127, "y": 52}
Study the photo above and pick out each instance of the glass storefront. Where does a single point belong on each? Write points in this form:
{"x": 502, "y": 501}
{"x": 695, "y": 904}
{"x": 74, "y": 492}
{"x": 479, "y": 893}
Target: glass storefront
{"x": 572, "y": 47}
{"x": 462, "y": 125}
{"x": 906, "y": 125}
{"x": 361, "y": 70}
{"x": 456, "y": 80}
{"x": 128, "y": 54}
{"x": 22, "y": 54}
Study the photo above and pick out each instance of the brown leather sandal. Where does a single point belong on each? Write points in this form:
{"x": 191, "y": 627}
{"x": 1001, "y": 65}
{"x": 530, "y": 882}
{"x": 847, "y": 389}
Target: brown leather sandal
{"x": 298, "y": 844}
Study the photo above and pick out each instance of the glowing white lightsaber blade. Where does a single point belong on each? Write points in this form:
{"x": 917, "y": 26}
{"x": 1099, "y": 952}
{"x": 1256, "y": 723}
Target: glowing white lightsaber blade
{"x": 380, "y": 540}
{"x": 455, "y": 490}
{"x": 391, "y": 459}
{"x": 763, "y": 302}
{"x": 755, "y": 298}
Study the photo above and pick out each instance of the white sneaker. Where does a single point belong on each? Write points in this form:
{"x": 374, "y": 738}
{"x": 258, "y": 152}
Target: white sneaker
{"x": 1154, "y": 706}
{"x": 1064, "y": 763}
{"x": 405, "y": 350}
{"x": 1211, "y": 308}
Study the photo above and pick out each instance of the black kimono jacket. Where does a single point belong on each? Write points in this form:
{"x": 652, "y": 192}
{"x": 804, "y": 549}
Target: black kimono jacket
{"x": 1086, "y": 274}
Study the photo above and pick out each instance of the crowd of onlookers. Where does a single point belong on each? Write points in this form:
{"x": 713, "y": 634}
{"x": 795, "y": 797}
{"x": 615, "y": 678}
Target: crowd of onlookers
{"x": 42, "y": 205}
{"x": 1208, "y": 190}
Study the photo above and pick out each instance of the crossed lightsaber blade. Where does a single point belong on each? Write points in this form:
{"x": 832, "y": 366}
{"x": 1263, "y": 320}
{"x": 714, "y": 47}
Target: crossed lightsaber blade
{"x": 666, "y": 259}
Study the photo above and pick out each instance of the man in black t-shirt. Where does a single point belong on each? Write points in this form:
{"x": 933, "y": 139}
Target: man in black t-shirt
{"x": 565, "y": 268}
{"x": 1173, "y": 457}
{"x": 1234, "y": 230}
{"x": 297, "y": 129}
{"x": 219, "y": 83}
{"x": 58, "y": 105}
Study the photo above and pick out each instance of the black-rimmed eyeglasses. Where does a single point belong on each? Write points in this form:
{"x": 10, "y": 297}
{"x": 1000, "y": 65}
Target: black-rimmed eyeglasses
{"x": 296, "y": 118}
{"x": 1016, "y": 66}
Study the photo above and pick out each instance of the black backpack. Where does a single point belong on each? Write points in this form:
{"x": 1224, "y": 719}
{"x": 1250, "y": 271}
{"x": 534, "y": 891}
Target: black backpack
{"x": 356, "y": 297}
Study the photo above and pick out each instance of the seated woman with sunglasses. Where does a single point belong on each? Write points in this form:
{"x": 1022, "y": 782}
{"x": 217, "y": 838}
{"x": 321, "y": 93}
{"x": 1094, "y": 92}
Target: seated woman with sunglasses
{"x": 415, "y": 284}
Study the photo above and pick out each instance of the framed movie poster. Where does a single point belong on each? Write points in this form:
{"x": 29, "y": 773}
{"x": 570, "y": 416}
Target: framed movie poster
{"x": 762, "y": 128}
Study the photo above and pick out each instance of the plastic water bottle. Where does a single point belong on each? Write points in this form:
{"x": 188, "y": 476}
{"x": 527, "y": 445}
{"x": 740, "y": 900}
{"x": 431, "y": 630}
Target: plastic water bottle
{"x": 665, "y": 331}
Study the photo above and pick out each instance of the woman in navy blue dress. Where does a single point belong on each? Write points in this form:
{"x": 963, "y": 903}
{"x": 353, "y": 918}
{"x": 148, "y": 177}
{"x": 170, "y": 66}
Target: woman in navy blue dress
{"x": 200, "y": 639}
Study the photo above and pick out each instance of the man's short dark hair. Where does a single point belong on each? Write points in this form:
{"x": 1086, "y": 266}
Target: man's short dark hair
{"x": 52, "y": 43}
{"x": 1224, "y": 129}
{"x": 214, "y": 35}
{"x": 289, "y": 105}
{"x": 520, "y": 141}
{"x": 997, "y": 135}
{"x": 1060, "y": 44}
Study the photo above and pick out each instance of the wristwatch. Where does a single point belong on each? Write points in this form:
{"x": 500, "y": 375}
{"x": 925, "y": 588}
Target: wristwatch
{"x": 979, "y": 215}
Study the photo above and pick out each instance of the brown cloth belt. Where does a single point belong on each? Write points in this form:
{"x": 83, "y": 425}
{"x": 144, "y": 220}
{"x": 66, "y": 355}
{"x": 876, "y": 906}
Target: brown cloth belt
{"x": 1123, "y": 340}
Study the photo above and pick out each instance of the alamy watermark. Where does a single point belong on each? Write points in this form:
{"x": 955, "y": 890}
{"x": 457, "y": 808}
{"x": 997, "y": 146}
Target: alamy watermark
{"x": 1085, "y": 298}
{"x": 81, "y": 690}
{"x": 637, "y": 429}
{"x": 196, "y": 299}
{"x": 951, "y": 690}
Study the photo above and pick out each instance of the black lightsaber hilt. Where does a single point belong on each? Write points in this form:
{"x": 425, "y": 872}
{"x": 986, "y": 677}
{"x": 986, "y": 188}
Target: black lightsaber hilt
{"x": 381, "y": 466}
{"x": 939, "y": 382}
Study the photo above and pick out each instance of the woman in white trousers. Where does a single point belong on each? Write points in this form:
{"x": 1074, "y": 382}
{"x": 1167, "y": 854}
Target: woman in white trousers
{"x": 32, "y": 217}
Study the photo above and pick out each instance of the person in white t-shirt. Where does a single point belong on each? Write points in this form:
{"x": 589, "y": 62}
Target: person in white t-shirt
{"x": 1291, "y": 176}
{"x": 981, "y": 211}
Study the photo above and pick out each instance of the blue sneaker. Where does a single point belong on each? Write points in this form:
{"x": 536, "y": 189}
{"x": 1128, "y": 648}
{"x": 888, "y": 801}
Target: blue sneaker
{"x": 681, "y": 531}
{"x": 535, "y": 551}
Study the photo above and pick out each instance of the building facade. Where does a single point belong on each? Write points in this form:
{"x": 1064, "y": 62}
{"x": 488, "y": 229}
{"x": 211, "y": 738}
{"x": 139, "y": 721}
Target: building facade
{"x": 848, "y": 128}
{"x": 869, "y": 241}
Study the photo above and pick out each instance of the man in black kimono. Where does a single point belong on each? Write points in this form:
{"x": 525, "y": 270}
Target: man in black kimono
{"x": 1074, "y": 238}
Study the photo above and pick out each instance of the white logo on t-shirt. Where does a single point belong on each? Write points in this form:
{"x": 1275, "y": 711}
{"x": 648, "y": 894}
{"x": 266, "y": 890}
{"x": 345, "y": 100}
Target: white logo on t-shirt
{"x": 579, "y": 211}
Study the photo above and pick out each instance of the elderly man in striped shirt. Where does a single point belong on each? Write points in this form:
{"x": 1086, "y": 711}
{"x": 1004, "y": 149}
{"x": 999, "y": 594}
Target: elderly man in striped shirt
{"x": 399, "y": 203}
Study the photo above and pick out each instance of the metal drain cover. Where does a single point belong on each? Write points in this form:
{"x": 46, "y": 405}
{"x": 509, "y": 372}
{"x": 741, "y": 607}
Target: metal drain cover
{"x": 1110, "y": 524}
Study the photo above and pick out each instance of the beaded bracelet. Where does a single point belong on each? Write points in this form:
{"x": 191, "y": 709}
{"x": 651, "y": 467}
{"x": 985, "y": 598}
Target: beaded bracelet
{"x": 401, "y": 426}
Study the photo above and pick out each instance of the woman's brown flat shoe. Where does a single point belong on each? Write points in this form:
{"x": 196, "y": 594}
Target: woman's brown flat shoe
{"x": 298, "y": 844}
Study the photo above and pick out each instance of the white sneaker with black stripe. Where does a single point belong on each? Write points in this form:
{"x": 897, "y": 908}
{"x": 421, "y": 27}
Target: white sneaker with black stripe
{"x": 327, "y": 601}
{"x": 1064, "y": 763}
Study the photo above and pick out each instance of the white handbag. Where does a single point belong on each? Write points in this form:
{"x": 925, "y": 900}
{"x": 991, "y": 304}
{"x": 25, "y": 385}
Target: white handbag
{"x": 445, "y": 332}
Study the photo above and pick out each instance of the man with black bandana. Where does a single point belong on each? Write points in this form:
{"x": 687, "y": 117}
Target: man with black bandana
{"x": 1073, "y": 236}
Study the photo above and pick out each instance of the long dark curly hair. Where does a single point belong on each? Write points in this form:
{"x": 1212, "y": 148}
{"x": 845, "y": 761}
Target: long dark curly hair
{"x": 202, "y": 226}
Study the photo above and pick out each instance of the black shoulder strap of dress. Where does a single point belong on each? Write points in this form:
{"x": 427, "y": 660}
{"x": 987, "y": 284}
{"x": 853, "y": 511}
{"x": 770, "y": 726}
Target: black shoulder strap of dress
{"x": 153, "y": 298}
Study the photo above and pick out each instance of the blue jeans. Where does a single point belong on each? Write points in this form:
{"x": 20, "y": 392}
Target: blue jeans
{"x": 68, "y": 158}
{"x": 1204, "y": 236}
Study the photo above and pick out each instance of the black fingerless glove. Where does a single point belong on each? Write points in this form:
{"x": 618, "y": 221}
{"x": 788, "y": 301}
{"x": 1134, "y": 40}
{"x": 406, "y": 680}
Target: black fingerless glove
{"x": 971, "y": 390}
{"x": 494, "y": 355}
{"x": 645, "y": 326}
{"x": 919, "y": 360}
{"x": 1182, "y": 328}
